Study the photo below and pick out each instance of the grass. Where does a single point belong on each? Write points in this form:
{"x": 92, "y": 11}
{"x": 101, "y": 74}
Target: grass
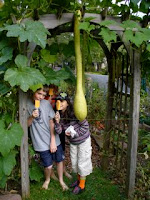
{"x": 98, "y": 187}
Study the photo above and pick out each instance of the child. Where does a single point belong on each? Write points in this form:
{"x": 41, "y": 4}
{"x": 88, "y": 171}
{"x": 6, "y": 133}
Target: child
{"x": 52, "y": 93}
{"x": 44, "y": 140}
{"x": 80, "y": 141}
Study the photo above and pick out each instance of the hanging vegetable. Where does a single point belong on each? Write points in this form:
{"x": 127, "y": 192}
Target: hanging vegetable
{"x": 80, "y": 106}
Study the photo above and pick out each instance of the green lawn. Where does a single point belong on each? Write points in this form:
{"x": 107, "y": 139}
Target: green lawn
{"x": 98, "y": 187}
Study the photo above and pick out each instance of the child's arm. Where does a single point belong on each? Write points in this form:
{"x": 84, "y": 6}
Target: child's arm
{"x": 81, "y": 128}
{"x": 53, "y": 146}
{"x": 58, "y": 127}
{"x": 35, "y": 114}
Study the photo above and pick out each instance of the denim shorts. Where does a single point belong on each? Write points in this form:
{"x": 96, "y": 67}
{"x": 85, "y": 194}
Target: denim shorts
{"x": 47, "y": 158}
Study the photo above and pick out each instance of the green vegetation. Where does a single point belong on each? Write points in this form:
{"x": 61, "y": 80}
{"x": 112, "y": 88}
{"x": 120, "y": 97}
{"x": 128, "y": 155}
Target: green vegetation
{"x": 98, "y": 187}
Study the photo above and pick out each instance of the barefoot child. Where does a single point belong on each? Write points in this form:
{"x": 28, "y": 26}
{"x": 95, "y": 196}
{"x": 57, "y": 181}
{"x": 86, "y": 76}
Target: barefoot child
{"x": 80, "y": 141}
{"x": 52, "y": 93}
{"x": 45, "y": 142}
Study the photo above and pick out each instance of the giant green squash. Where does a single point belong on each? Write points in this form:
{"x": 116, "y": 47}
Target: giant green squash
{"x": 80, "y": 106}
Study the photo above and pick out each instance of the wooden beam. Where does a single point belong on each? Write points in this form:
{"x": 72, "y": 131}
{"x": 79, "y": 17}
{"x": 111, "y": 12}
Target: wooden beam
{"x": 134, "y": 122}
{"x": 24, "y": 145}
{"x": 50, "y": 21}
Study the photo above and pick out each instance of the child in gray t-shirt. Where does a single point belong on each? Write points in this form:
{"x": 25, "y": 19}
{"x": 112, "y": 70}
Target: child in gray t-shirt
{"x": 40, "y": 122}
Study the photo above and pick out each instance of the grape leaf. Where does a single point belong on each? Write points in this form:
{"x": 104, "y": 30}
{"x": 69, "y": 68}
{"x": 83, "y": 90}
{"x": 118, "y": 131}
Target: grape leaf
{"x": 148, "y": 47}
{"x": 35, "y": 87}
{"x": 107, "y": 23}
{"x": 3, "y": 180}
{"x": 35, "y": 172}
{"x": 108, "y": 35}
{"x": 6, "y": 54}
{"x": 33, "y": 31}
{"x": 130, "y": 25}
{"x": 45, "y": 54}
{"x": 9, "y": 162}
{"x": 23, "y": 76}
{"x": 9, "y": 138}
{"x": 84, "y": 25}
{"x": 4, "y": 88}
{"x": 21, "y": 61}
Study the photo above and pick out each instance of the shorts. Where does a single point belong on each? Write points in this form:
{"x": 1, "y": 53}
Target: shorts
{"x": 47, "y": 158}
{"x": 81, "y": 157}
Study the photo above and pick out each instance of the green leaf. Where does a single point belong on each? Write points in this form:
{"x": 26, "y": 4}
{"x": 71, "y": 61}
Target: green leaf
{"x": 16, "y": 134}
{"x": 84, "y": 25}
{"x": 2, "y": 126}
{"x": 6, "y": 54}
{"x": 14, "y": 30}
{"x": 35, "y": 87}
{"x": 35, "y": 172}
{"x": 21, "y": 61}
{"x": 9, "y": 138}
{"x": 128, "y": 35}
{"x": 138, "y": 39}
{"x": 68, "y": 51}
{"x": 33, "y": 31}
{"x": 24, "y": 77}
{"x": 135, "y": 2}
{"x": 9, "y": 162}
{"x": 108, "y": 23}
{"x": 108, "y": 35}
{"x": 54, "y": 77}
{"x": 3, "y": 43}
{"x": 148, "y": 47}
{"x": 87, "y": 19}
{"x": 5, "y": 143}
{"x": 3, "y": 181}
{"x": 146, "y": 33}
{"x": 1, "y": 166}
{"x": 4, "y": 88}
{"x": 71, "y": 75}
{"x": 130, "y": 25}
{"x": 144, "y": 6}
{"x": 45, "y": 54}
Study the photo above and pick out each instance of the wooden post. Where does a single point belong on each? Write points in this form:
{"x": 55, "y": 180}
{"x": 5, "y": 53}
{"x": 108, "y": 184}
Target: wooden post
{"x": 134, "y": 122}
{"x": 24, "y": 145}
{"x": 25, "y": 183}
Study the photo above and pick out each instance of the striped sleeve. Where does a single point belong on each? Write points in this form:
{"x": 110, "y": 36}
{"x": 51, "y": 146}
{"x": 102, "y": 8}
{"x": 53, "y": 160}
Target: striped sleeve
{"x": 58, "y": 128}
{"x": 81, "y": 128}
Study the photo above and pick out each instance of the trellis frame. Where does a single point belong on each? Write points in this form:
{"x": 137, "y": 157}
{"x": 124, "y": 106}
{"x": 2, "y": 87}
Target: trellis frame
{"x": 50, "y": 21}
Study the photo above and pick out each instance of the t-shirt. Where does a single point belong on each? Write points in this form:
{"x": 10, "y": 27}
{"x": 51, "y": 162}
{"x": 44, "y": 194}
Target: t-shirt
{"x": 40, "y": 127}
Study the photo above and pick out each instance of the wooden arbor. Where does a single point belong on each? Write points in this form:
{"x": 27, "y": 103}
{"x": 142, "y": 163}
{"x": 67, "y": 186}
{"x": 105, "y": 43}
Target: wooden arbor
{"x": 115, "y": 98}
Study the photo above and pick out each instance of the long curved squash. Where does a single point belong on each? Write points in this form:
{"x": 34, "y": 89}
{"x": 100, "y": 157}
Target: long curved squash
{"x": 80, "y": 106}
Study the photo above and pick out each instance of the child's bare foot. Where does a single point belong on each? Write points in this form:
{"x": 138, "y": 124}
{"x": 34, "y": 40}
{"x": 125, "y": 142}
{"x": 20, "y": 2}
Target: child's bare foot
{"x": 64, "y": 186}
{"x": 45, "y": 185}
{"x": 67, "y": 175}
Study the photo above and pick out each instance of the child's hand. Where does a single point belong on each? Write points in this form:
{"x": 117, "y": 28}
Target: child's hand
{"x": 53, "y": 147}
{"x": 35, "y": 113}
{"x": 68, "y": 133}
{"x": 57, "y": 117}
